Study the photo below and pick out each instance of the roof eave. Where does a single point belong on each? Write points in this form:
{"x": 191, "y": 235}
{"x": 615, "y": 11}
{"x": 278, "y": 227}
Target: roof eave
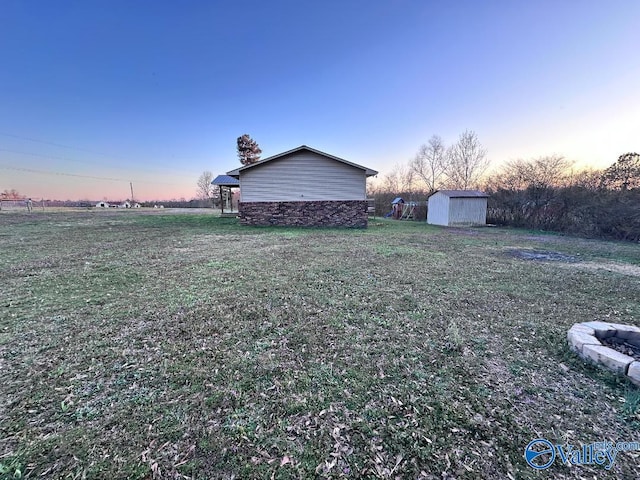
{"x": 453, "y": 194}
{"x": 225, "y": 181}
{"x": 236, "y": 173}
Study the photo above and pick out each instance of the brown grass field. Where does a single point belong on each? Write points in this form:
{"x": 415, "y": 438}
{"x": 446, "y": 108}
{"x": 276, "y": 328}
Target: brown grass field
{"x": 146, "y": 344}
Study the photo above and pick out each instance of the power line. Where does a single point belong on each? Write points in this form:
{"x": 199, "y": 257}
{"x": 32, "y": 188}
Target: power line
{"x": 67, "y": 159}
{"x": 55, "y": 144}
{"x": 45, "y": 142}
{"x": 51, "y": 143}
{"x": 31, "y": 170}
{"x": 162, "y": 171}
{"x": 54, "y": 157}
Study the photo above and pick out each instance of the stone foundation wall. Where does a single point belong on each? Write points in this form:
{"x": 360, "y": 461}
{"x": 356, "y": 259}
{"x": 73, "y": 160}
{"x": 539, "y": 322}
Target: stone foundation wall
{"x": 322, "y": 213}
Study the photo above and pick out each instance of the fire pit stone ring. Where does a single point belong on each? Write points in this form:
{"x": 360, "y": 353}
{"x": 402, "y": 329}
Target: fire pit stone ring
{"x": 612, "y": 345}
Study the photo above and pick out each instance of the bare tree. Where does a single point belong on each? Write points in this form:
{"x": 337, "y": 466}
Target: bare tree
{"x": 588, "y": 178}
{"x": 465, "y": 162}
{"x": 248, "y": 150}
{"x": 428, "y": 164}
{"x": 12, "y": 194}
{"x": 400, "y": 179}
{"x": 391, "y": 181}
{"x": 205, "y": 190}
{"x": 624, "y": 174}
{"x": 541, "y": 172}
{"x": 409, "y": 180}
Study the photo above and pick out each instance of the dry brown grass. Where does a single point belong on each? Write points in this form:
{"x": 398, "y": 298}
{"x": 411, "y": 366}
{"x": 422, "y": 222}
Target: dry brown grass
{"x": 184, "y": 346}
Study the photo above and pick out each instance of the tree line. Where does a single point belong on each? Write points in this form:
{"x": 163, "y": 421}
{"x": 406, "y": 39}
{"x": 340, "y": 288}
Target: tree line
{"x": 545, "y": 193}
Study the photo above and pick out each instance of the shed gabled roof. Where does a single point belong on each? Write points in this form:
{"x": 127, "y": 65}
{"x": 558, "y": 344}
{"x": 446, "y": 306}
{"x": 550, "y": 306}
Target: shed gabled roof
{"x": 462, "y": 193}
{"x": 236, "y": 173}
{"x": 226, "y": 181}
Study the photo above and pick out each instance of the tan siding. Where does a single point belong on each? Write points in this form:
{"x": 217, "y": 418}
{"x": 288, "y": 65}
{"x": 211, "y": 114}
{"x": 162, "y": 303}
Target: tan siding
{"x": 468, "y": 211}
{"x": 302, "y": 176}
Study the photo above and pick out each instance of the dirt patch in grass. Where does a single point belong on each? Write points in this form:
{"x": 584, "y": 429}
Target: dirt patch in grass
{"x": 185, "y": 346}
{"x": 543, "y": 256}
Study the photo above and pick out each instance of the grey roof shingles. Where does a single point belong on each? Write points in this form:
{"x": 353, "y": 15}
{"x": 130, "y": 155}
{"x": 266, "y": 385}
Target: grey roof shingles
{"x": 463, "y": 193}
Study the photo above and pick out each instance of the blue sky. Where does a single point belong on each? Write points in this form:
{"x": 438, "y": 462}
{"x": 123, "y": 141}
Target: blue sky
{"x": 155, "y": 92}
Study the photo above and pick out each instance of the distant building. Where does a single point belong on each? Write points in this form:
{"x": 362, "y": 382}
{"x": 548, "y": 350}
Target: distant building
{"x": 303, "y": 187}
{"x": 102, "y": 205}
{"x": 457, "y": 208}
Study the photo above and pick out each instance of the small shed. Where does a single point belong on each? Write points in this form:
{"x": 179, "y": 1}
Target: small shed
{"x": 457, "y": 208}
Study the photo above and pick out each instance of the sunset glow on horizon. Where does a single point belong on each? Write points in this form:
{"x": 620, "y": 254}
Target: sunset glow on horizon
{"x": 95, "y": 96}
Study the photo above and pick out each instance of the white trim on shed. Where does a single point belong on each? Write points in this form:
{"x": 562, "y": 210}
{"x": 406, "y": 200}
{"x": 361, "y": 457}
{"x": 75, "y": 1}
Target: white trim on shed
{"x": 457, "y": 208}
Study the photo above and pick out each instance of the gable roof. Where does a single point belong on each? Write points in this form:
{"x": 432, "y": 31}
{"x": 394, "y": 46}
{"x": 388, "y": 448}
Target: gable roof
{"x": 236, "y": 173}
{"x": 462, "y": 193}
{"x": 226, "y": 181}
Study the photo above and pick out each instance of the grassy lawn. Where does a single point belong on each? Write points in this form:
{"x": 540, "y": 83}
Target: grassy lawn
{"x": 160, "y": 345}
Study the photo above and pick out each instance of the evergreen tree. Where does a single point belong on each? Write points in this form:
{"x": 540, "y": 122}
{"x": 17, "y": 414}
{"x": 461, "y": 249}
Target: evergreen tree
{"x": 248, "y": 150}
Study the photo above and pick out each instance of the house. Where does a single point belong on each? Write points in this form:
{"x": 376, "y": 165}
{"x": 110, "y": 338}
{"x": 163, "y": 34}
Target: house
{"x": 303, "y": 187}
{"x": 454, "y": 208}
